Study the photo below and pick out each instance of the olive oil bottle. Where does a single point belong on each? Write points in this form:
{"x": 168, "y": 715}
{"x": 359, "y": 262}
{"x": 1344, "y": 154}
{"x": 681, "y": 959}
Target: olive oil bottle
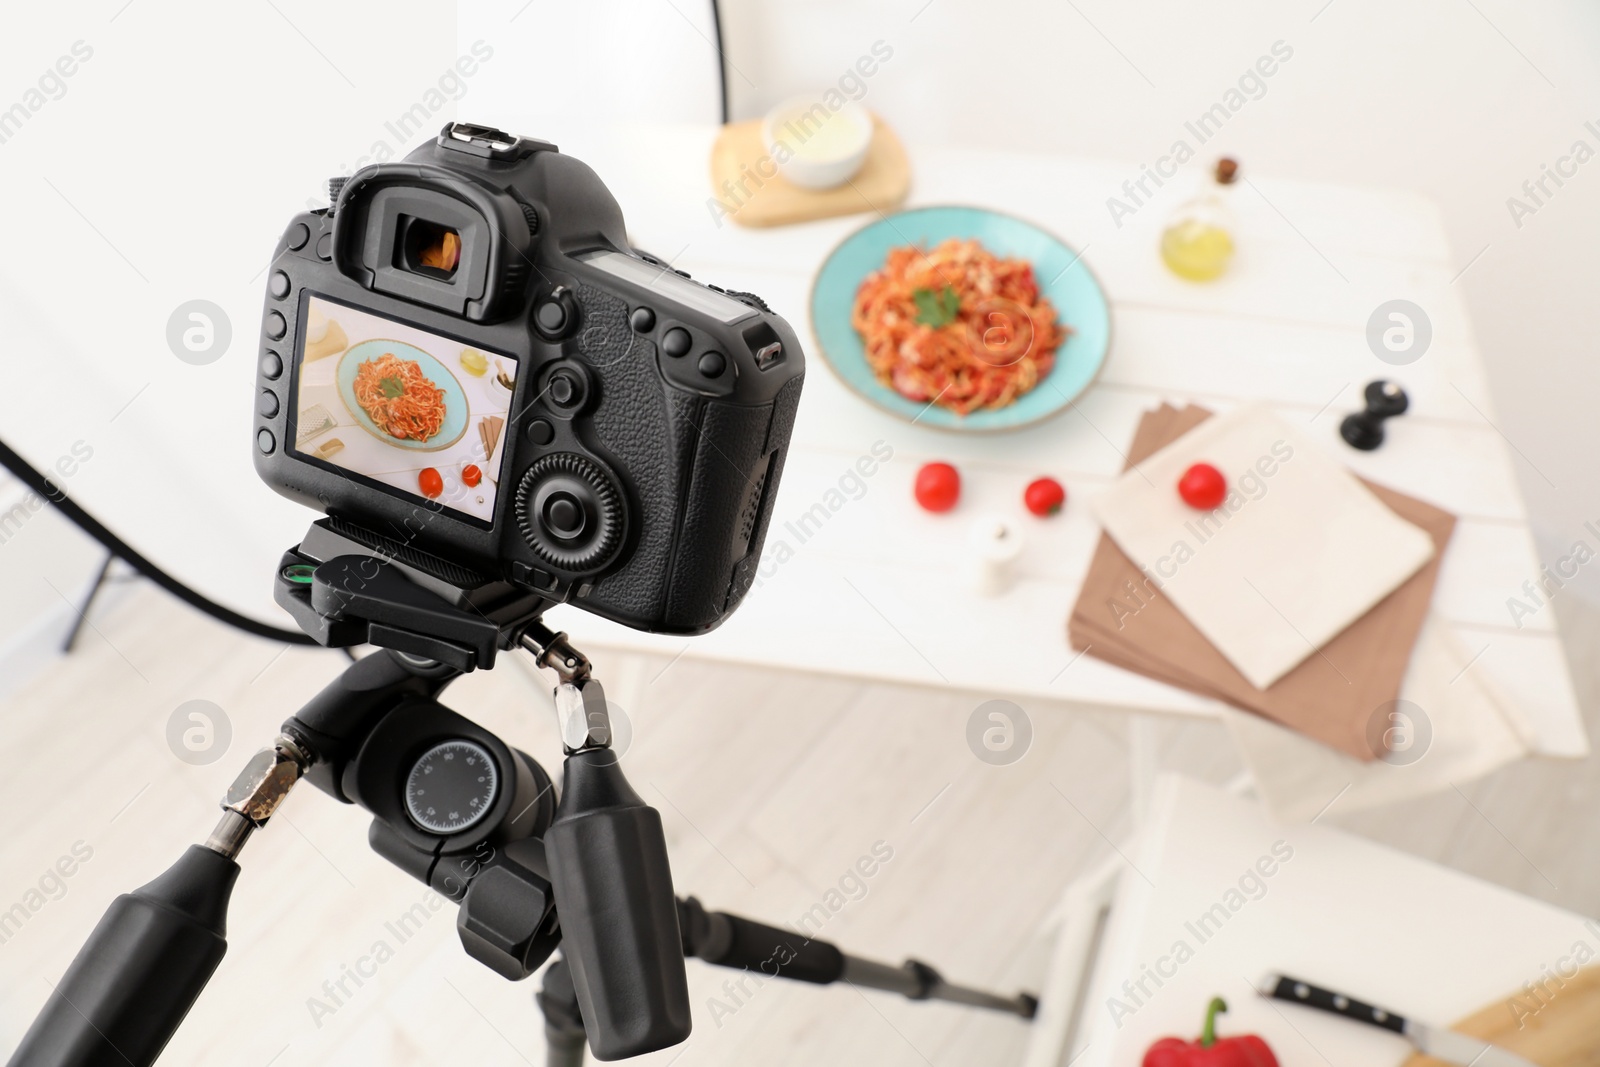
{"x": 1198, "y": 241}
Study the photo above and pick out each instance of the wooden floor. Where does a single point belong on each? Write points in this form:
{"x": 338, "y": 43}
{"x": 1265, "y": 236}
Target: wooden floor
{"x": 771, "y": 785}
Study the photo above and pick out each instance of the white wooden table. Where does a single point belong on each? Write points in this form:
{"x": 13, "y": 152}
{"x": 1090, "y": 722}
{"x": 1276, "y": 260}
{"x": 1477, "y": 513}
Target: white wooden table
{"x": 876, "y": 592}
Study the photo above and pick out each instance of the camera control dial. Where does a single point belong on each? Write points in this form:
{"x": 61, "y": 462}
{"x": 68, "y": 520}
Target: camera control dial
{"x": 570, "y": 511}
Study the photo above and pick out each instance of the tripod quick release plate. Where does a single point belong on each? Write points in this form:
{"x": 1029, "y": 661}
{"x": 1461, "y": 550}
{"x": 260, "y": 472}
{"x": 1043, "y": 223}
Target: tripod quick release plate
{"x": 345, "y": 585}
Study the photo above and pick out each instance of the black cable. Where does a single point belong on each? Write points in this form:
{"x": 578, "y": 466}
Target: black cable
{"x": 125, "y": 552}
{"x": 722, "y": 58}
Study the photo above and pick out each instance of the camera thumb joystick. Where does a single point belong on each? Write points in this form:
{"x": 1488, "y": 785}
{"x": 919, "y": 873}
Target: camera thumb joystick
{"x": 613, "y": 893}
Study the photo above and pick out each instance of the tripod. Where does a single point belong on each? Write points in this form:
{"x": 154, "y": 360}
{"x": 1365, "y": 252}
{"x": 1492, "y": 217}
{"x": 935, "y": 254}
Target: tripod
{"x": 458, "y": 809}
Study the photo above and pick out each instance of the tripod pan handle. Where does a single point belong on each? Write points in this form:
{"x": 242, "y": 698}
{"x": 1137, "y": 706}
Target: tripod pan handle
{"x": 139, "y": 973}
{"x": 619, "y": 919}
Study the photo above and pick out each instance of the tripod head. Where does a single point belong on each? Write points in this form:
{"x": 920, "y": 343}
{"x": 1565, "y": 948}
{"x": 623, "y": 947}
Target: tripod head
{"x": 599, "y": 856}
{"x": 452, "y": 805}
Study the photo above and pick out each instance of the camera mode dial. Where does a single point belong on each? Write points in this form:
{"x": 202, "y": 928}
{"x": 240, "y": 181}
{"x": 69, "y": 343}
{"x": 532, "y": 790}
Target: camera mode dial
{"x": 569, "y": 511}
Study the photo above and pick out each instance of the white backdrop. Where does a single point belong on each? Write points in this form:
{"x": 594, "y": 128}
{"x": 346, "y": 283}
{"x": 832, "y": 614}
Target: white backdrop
{"x": 164, "y": 167}
{"x": 164, "y": 173}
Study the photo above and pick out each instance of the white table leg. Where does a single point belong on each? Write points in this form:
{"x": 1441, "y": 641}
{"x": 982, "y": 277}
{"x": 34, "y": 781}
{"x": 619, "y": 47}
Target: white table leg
{"x": 1144, "y": 764}
{"x": 1079, "y": 920}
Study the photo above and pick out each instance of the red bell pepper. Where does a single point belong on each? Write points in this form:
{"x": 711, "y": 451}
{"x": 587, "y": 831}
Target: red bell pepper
{"x": 1247, "y": 1050}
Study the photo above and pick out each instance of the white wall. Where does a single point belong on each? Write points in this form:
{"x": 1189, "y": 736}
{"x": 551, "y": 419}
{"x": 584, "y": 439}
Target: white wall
{"x": 166, "y": 169}
{"x": 165, "y": 172}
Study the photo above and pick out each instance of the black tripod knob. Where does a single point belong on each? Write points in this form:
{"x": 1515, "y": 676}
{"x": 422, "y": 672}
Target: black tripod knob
{"x": 1364, "y": 430}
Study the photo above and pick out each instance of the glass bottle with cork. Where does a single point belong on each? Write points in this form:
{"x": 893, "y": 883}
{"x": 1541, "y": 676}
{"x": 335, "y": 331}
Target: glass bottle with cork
{"x": 1198, "y": 241}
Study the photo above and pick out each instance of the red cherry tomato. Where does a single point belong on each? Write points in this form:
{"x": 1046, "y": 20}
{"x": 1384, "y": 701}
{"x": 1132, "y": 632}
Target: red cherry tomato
{"x": 1044, "y": 496}
{"x": 938, "y": 486}
{"x": 1203, "y": 487}
{"x": 471, "y": 475}
{"x": 431, "y": 482}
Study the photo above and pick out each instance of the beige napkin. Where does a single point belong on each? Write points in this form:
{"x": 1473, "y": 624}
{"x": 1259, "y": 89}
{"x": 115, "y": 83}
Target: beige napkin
{"x": 1330, "y": 696}
{"x": 1455, "y": 728}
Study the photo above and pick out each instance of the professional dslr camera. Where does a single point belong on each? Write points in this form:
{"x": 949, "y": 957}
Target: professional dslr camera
{"x": 469, "y": 369}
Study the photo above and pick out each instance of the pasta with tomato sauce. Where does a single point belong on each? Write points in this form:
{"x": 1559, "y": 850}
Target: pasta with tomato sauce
{"x": 957, "y": 326}
{"x": 398, "y": 397}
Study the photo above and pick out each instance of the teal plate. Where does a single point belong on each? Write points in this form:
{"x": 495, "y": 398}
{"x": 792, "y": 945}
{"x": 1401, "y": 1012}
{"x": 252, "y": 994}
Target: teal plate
{"x": 1062, "y": 276}
{"x": 455, "y": 401}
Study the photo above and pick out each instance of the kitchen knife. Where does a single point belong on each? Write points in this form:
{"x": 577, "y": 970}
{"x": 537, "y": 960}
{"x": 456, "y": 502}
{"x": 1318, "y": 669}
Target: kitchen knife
{"x": 1432, "y": 1041}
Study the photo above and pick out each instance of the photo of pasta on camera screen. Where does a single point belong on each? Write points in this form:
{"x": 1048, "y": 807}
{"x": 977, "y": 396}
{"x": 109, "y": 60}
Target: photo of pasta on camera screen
{"x": 422, "y": 414}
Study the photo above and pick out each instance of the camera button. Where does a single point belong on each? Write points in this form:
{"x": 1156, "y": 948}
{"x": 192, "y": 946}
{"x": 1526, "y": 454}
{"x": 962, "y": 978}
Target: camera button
{"x": 676, "y": 342}
{"x": 552, "y": 317}
{"x": 299, "y": 234}
{"x": 643, "y": 320}
{"x": 712, "y": 364}
{"x": 267, "y": 403}
{"x": 278, "y": 285}
{"x": 563, "y": 389}
{"x": 325, "y": 246}
{"x": 265, "y": 441}
{"x": 563, "y": 516}
{"x": 277, "y": 325}
{"x": 541, "y": 432}
{"x": 556, "y": 314}
{"x": 271, "y": 366}
{"x": 535, "y": 577}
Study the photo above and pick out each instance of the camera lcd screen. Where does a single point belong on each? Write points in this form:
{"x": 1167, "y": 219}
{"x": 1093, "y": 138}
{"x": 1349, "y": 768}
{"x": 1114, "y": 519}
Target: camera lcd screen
{"x": 422, "y": 415}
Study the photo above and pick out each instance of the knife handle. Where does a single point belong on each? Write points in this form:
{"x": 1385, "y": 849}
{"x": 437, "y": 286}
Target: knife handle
{"x": 1295, "y": 991}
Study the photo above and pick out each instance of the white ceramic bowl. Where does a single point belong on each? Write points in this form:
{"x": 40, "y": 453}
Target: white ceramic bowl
{"x": 815, "y": 146}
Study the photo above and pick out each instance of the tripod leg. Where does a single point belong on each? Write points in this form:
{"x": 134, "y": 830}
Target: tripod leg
{"x": 563, "y": 1022}
{"x": 88, "y": 602}
{"x": 732, "y": 941}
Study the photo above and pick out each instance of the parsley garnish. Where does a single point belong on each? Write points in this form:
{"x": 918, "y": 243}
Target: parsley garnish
{"x": 936, "y": 309}
{"x": 392, "y": 387}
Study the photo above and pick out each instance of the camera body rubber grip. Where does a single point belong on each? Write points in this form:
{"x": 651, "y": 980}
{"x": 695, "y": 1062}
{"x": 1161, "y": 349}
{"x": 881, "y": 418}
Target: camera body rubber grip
{"x": 619, "y": 919}
{"x": 139, "y": 973}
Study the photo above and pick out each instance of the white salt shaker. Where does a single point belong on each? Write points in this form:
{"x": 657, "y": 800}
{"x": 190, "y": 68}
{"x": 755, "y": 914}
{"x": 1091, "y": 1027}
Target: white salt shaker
{"x": 995, "y": 542}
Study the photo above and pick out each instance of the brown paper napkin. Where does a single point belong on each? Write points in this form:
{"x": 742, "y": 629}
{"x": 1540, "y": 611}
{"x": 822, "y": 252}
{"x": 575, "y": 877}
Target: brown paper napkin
{"x": 1122, "y": 618}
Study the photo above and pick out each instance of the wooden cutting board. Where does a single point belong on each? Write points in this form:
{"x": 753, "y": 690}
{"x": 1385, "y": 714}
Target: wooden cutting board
{"x": 1557, "y": 1025}
{"x": 744, "y": 180}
